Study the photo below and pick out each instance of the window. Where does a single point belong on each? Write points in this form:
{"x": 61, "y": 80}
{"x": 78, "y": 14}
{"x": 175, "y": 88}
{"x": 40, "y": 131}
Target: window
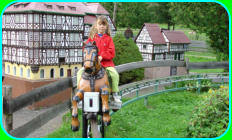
{"x": 175, "y": 57}
{"x": 21, "y": 72}
{"x": 8, "y": 69}
{"x": 28, "y": 73}
{"x": 52, "y": 73}
{"x": 75, "y": 70}
{"x": 153, "y": 56}
{"x": 42, "y": 73}
{"x": 30, "y": 18}
{"x": 49, "y": 6}
{"x": 144, "y": 46}
{"x": 61, "y": 7}
{"x": 61, "y": 72}
{"x": 14, "y": 71}
{"x": 73, "y": 8}
{"x": 173, "y": 70}
{"x": 62, "y": 60}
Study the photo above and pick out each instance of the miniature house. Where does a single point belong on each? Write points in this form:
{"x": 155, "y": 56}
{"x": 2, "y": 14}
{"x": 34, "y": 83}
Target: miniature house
{"x": 157, "y": 44}
{"x": 42, "y": 43}
{"x": 95, "y": 10}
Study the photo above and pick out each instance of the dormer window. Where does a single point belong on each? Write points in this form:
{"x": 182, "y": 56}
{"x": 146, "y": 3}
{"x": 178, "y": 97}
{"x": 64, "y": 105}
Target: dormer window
{"x": 19, "y": 5}
{"x": 49, "y": 6}
{"x": 61, "y": 7}
{"x": 73, "y": 8}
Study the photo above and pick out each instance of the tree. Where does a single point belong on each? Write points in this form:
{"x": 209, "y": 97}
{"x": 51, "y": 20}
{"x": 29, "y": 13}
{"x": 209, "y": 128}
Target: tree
{"x": 115, "y": 12}
{"x": 126, "y": 52}
{"x": 132, "y": 14}
{"x": 209, "y": 18}
{"x": 109, "y": 6}
{"x": 161, "y": 13}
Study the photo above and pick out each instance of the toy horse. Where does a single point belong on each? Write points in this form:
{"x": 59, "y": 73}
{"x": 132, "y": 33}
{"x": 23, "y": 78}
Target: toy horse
{"x": 94, "y": 79}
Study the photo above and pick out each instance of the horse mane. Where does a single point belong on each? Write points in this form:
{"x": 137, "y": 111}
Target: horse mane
{"x": 92, "y": 45}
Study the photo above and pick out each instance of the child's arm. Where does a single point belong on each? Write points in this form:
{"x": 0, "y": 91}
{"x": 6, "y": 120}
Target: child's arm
{"x": 109, "y": 52}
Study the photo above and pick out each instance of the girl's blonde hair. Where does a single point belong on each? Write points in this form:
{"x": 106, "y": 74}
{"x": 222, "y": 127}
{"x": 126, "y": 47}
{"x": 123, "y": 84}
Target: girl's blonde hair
{"x": 100, "y": 20}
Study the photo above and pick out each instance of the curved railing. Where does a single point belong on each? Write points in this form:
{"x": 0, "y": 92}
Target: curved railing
{"x": 134, "y": 88}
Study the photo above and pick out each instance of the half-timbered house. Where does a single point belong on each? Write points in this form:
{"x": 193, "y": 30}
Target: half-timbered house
{"x": 157, "y": 44}
{"x": 42, "y": 42}
{"x": 95, "y": 10}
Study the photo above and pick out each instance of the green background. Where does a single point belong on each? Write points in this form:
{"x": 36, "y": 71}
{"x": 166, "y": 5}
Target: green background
{"x": 226, "y": 3}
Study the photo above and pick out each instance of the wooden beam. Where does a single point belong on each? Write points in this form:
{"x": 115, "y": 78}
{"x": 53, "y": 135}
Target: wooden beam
{"x": 40, "y": 120}
{"x": 7, "y": 117}
{"x": 149, "y": 64}
{"x": 10, "y": 106}
{"x": 208, "y": 65}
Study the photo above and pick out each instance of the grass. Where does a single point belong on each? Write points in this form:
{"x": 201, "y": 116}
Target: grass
{"x": 205, "y": 54}
{"x": 167, "y": 115}
{"x": 202, "y": 57}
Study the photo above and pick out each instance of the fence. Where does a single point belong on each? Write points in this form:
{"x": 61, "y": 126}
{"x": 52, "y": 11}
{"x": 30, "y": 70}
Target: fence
{"x": 125, "y": 90}
{"x": 11, "y": 105}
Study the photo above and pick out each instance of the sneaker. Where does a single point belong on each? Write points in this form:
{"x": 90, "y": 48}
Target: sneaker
{"x": 116, "y": 102}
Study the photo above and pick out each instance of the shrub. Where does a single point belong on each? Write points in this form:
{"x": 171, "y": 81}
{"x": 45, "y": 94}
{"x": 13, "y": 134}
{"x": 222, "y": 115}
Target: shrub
{"x": 205, "y": 83}
{"x": 127, "y": 52}
{"x": 211, "y": 117}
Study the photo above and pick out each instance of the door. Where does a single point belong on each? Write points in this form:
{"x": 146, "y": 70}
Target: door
{"x": 69, "y": 73}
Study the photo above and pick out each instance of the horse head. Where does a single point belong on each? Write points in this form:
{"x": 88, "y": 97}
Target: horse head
{"x": 91, "y": 62}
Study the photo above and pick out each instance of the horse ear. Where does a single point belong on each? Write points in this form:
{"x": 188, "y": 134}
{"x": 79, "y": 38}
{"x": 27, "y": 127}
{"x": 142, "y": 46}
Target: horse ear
{"x": 94, "y": 43}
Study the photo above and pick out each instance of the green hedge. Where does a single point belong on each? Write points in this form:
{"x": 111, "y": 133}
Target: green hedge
{"x": 127, "y": 52}
{"x": 211, "y": 117}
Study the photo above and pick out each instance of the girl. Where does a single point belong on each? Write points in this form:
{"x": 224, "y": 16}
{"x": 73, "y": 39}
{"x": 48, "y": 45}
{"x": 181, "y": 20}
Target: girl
{"x": 100, "y": 33}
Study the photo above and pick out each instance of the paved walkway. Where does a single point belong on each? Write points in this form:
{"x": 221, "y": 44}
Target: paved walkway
{"x": 24, "y": 115}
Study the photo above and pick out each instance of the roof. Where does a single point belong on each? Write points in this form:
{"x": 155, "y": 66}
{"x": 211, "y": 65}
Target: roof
{"x": 157, "y": 37}
{"x": 155, "y": 33}
{"x": 176, "y": 37}
{"x": 56, "y": 7}
{"x": 79, "y": 8}
{"x": 89, "y": 19}
{"x": 96, "y": 8}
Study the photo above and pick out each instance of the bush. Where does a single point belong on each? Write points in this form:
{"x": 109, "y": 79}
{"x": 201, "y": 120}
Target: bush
{"x": 211, "y": 117}
{"x": 127, "y": 52}
{"x": 205, "y": 83}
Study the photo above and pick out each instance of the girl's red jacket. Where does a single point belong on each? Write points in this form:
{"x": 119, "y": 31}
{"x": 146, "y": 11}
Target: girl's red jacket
{"x": 106, "y": 49}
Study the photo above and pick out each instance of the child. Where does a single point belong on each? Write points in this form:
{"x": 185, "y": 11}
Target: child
{"x": 100, "y": 33}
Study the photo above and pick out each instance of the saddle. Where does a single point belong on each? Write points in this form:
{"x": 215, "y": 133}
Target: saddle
{"x": 114, "y": 99}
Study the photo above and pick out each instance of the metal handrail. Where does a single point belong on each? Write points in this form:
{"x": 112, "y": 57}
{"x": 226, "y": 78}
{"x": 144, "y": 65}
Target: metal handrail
{"x": 135, "y": 87}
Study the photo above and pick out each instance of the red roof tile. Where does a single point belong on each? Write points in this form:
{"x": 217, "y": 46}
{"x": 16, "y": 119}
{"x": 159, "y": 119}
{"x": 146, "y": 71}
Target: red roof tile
{"x": 176, "y": 36}
{"x": 96, "y": 8}
{"x": 42, "y": 7}
{"x": 90, "y": 19}
{"x": 155, "y": 33}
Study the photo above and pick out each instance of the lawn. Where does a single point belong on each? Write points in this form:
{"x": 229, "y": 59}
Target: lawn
{"x": 167, "y": 115}
{"x": 202, "y": 57}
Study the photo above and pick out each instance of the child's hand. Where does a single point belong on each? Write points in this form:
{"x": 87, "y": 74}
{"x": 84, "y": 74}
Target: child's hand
{"x": 100, "y": 58}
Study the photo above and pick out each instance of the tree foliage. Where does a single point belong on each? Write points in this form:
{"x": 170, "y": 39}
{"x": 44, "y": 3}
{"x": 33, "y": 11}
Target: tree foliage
{"x": 126, "y": 52}
{"x": 209, "y": 18}
{"x": 132, "y": 14}
{"x": 162, "y": 13}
